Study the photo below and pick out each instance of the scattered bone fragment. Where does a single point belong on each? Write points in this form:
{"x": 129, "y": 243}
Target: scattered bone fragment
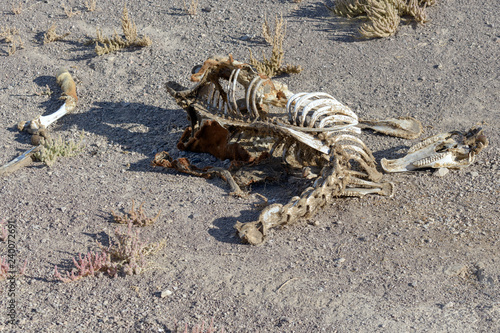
{"x": 446, "y": 150}
{"x": 68, "y": 87}
{"x": 37, "y": 127}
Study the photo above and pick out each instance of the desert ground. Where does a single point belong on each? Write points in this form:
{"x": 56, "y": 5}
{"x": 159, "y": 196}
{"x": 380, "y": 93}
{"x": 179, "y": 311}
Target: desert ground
{"x": 425, "y": 260}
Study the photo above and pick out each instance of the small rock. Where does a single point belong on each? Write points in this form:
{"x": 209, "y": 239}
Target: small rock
{"x": 165, "y": 293}
{"x": 441, "y": 172}
{"x": 456, "y": 270}
{"x": 473, "y": 174}
{"x": 316, "y": 223}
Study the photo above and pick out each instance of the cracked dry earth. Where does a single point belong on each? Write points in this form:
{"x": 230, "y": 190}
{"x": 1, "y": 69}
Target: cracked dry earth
{"x": 425, "y": 260}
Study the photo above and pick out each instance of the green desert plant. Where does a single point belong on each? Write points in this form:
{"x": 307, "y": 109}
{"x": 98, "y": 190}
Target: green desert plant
{"x": 274, "y": 65}
{"x": 383, "y": 15}
{"x": 136, "y": 217}
{"x": 51, "y": 149}
{"x": 117, "y": 42}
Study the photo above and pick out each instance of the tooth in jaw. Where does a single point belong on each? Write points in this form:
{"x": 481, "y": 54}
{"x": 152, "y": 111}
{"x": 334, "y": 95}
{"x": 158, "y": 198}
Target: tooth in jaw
{"x": 438, "y": 151}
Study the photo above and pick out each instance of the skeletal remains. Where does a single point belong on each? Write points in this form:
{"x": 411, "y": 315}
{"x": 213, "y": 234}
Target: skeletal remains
{"x": 38, "y": 126}
{"x": 257, "y": 122}
{"x": 260, "y": 125}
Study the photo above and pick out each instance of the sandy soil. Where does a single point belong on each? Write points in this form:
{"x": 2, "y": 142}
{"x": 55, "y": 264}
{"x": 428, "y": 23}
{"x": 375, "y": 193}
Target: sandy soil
{"x": 426, "y": 260}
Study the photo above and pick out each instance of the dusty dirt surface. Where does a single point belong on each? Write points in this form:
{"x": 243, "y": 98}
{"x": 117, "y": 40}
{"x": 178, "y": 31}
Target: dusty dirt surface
{"x": 426, "y": 260}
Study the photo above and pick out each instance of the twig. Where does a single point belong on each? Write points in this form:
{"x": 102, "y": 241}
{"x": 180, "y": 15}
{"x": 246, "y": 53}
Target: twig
{"x": 285, "y": 283}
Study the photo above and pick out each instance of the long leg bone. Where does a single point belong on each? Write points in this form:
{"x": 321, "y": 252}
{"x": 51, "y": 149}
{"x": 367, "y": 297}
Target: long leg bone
{"x": 440, "y": 151}
{"x": 37, "y": 126}
{"x": 68, "y": 87}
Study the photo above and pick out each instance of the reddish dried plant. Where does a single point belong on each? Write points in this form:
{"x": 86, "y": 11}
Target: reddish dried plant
{"x": 125, "y": 254}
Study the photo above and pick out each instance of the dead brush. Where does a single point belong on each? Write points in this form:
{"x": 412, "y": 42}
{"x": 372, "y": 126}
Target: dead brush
{"x": 273, "y": 66}
{"x": 11, "y": 37}
{"x": 91, "y": 5}
{"x": 192, "y": 9}
{"x": 125, "y": 255}
{"x": 69, "y": 11}
{"x": 5, "y": 270}
{"x": 135, "y": 217}
{"x": 383, "y": 16}
{"x": 51, "y": 35}
{"x": 117, "y": 42}
{"x": 17, "y": 9}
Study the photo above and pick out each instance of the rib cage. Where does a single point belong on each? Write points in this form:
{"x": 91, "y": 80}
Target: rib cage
{"x": 318, "y": 132}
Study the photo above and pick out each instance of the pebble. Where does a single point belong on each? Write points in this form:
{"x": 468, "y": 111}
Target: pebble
{"x": 441, "y": 172}
{"x": 455, "y": 270}
{"x": 166, "y": 293}
{"x": 473, "y": 174}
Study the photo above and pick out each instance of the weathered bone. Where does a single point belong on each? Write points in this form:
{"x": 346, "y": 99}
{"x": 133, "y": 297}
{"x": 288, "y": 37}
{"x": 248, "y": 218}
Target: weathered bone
{"x": 440, "y": 151}
{"x": 314, "y": 135}
{"x": 404, "y": 127}
{"x": 317, "y": 135}
{"x": 37, "y": 126}
{"x": 68, "y": 87}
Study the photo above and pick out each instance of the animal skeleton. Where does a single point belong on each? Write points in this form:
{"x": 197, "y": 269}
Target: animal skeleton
{"x": 314, "y": 133}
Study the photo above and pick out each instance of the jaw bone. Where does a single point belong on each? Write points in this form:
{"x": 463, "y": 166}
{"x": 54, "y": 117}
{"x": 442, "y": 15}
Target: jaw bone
{"x": 440, "y": 151}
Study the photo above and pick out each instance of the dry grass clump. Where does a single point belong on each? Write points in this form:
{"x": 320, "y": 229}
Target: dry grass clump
{"x": 274, "y": 65}
{"x": 52, "y": 149}
{"x": 11, "y": 37}
{"x": 192, "y": 9}
{"x": 69, "y": 11}
{"x": 91, "y": 5}
{"x": 51, "y": 35}
{"x": 135, "y": 217}
{"x": 17, "y": 9}
{"x": 125, "y": 255}
{"x": 117, "y": 42}
{"x": 383, "y": 15}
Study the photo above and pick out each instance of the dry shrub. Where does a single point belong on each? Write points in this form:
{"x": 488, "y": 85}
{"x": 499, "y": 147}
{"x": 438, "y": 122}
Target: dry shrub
{"x": 192, "y": 8}
{"x": 11, "y": 37}
{"x": 117, "y": 42}
{"x": 91, "y": 5}
{"x": 273, "y": 66}
{"x": 69, "y": 11}
{"x": 125, "y": 255}
{"x": 383, "y": 15}
{"x": 17, "y": 9}
{"x": 135, "y": 217}
{"x": 51, "y": 35}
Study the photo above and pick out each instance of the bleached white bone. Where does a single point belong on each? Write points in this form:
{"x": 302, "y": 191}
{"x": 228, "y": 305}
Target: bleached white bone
{"x": 439, "y": 151}
{"x": 68, "y": 87}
